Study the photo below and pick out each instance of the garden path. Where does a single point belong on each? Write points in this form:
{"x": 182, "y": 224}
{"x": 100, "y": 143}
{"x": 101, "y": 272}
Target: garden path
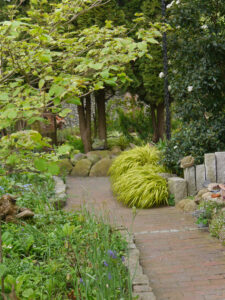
{"x": 182, "y": 262}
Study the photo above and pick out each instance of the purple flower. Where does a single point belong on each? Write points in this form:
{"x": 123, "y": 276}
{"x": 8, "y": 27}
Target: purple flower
{"x": 105, "y": 263}
{"x": 2, "y": 188}
{"x": 123, "y": 258}
{"x": 81, "y": 281}
{"x": 112, "y": 254}
{"x": 109, "y": 276}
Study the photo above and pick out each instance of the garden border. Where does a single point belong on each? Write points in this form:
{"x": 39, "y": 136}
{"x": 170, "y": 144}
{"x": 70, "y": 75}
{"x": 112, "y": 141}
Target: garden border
{"x": 140, "y": 281}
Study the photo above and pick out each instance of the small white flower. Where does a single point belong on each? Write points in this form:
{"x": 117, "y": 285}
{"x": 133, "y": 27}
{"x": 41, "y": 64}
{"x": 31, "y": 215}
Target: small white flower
{"x": 178, "y": 27}
{"x": 169, "y": 62}
{"x": 169, "y": 88}
{"x": 161, "y": 75}
{"x": 174, "y": 71}
{"x": 175, "y": 147}
{"x": 190, "y": 88}
{"x": 178, "y": 2}
{"x": 170, "y": 5}
{"x": 204, "y": 26}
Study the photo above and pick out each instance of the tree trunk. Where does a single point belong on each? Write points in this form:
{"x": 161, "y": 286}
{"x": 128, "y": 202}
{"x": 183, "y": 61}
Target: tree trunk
{"x": 161, "y": 120}
{"x": 155, "y": 137}
{"x": 100, "y": 100}
{"x": 158, "y": 122}
{"x": 84, "y": 112}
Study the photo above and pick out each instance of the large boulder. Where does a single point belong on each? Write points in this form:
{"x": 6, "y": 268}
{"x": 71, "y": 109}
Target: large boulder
{"x": 101, "y": 168}
{"x": 94, "y": 158}
{"x": 65, "y": 166}
{"x": 82, "y": 168}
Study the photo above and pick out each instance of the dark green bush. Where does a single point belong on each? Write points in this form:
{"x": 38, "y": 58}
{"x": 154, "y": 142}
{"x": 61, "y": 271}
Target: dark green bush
{"x": 196, "y": 139}
{"x": 137, "y": 122}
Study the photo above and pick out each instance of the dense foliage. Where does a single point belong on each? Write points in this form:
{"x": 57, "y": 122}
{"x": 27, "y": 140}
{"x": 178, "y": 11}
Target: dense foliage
{"x": 59, "y": 255}
{"x": 197, "y": 78}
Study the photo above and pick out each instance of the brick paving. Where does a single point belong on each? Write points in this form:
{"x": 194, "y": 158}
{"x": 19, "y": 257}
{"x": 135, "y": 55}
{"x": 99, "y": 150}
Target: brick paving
{"x": 181, "y": 261}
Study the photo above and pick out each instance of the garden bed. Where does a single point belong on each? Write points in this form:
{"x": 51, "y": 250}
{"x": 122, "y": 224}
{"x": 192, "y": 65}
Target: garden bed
{"x": 59, "y": 255}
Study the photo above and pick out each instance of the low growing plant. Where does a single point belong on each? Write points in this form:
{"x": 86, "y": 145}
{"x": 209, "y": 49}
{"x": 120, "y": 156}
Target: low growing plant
{"x": 136, "y": 157}
{"x": 141, "y": 187}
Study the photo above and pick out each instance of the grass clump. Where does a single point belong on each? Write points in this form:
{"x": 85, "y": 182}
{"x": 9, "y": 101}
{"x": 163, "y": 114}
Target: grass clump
{"x": 140, "y": 187}
{"x": 137, "y": 157}
{"x": 135, "y": 179}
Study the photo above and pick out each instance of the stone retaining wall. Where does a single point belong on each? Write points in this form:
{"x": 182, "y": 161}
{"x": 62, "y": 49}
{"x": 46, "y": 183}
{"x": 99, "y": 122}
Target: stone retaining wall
{"x": 213, "y": 170}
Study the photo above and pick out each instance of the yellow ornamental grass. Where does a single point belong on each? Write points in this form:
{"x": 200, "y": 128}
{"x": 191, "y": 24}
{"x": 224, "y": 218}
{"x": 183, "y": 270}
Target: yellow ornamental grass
{"x": 142, "y": 188}
{"x": 135, "y": 179}
{"x": 136, "y": 157}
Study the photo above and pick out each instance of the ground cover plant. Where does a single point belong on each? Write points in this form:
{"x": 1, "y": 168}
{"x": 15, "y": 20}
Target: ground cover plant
{"x": 135, "y": 179}
{"x": 59, "y": 255}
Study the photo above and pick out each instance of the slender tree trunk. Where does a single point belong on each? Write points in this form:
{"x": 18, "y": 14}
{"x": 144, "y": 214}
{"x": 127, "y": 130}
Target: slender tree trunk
{"x": 161, "y": 120}
{"x": 154, "y": 124}
{"x": 95, "y": 115}
{"x": 84, "y": 112}
{"x": 100, "y": 100}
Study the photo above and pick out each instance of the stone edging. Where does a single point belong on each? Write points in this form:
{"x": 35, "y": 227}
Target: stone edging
{"x": 59, "y": 200}
{"x": 140, "y": 281}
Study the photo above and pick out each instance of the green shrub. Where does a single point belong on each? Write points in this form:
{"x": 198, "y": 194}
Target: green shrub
{"x": 141, "y": 187}
{"x": 196, "y": 139}
{"x": 136, "y": 157}
{"x": 136, "y": 121}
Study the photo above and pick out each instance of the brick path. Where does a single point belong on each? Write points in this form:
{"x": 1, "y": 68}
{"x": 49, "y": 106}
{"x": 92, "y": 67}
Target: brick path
{"x": 182, "y": 262}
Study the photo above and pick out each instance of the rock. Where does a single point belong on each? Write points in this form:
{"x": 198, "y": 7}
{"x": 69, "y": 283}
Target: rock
{"x": 116, "y": 150}
{"x": 101, "y": 168}
{"x": 207, "y": 196}
{"x": 178, "y": 187}
{"x": 220, "y": 166}
{"x": 167, "y": 175}
{"x": 213, "y": 187}
{"x": 144, "y": 296}
{"x": 58, "y": 202}
{"x": 191, "y": 206}
{"x": 198, "y": 197}
{"x": 25, "y": 214}
{"x": 210, "y": 167}
{"x": 82, "y": 168}
{"x": 186, "y": 205}
{"x": 202, "y": 192}
{"x": 78, "y": 157}
{"x": 187, "y": 162}
{"x": 94, "y": 158}
{"x": 189, "y": 176}
{"x": 132, "y": 146}
{"x": 98, "y": 144}
{"x": 200, "y": 176}
{"x": 65, "y": 166}
{"x": 181, "y": 204}
{"x": 100, "y": 153}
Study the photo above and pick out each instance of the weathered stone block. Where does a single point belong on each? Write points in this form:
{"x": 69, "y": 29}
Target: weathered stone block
{"x": 101, "y": 168}
{"x": 145, "y": 296}
{"x": 200, "y": 176}
{"x": 210, "y": 167}
{"x": 189, "y": 176}
{"x": 220, "y": 167}
{"x": 178, "y": 187}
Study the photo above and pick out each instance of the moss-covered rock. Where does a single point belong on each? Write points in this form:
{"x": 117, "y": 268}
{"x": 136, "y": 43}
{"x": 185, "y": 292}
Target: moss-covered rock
{"x": 78, "y": 157}
{"x": 94, "y": 158}
{"x": 116, "y": 150}
{"x": 100, "y": 153}
{"x": 82, "y": 168}
{"x": 101, "y": 168}
{"x": 65, "y": 166}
